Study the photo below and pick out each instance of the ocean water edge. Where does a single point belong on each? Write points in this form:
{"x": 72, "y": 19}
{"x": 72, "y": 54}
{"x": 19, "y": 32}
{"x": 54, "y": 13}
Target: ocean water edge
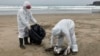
{"x": 12, "y": 10}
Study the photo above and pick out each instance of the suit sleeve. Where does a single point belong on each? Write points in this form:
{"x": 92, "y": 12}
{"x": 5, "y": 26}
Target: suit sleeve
{"x": 32, "y": 19}
{"x": 52, "y": 41}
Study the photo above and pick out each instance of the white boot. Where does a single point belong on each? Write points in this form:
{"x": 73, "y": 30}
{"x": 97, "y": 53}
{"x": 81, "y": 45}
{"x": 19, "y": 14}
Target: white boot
{"x": 74, "y": 48}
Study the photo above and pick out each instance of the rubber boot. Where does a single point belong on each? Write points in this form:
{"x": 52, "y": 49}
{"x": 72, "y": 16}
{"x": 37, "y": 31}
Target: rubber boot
{"x": 31, "y": 41}
{"x": 26, "y": 41}
{"x": 21, "y": 43}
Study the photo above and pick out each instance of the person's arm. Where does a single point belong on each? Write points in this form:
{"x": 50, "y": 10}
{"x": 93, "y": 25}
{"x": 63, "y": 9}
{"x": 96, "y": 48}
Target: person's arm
{"x": 67, "y": 34}
{"x": 32, "y": 19}
{"x": 51, "y": 47}
{"x": 52, "y": 41}
{"x": 53, "y": 35}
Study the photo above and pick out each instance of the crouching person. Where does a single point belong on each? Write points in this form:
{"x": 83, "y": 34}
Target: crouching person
{"x": 24, "y": 16}
{"x": 64, "y": 28}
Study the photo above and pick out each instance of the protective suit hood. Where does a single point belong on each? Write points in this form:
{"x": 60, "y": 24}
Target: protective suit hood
{"x": 27, "y": 5}
{"x": 56, "y": 32}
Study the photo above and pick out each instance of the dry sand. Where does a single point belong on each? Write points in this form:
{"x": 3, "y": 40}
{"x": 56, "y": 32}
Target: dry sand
{"x": 87, "y": 33}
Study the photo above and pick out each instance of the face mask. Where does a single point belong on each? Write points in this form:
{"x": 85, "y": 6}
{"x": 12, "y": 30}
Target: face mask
{"x": 28, "y": 7}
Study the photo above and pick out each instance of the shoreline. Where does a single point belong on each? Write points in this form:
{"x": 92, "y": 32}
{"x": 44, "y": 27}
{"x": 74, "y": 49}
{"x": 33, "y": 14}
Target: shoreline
{"x": 52, "y": 10}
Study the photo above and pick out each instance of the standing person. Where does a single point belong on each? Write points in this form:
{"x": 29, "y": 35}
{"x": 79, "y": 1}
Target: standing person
{"x": 24, "y": 16}
{"x": 64, "y": 28}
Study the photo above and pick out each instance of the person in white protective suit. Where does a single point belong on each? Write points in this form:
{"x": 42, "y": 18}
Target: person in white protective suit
{"x": 64, "y": 28}
{"x": 24, "y": 16}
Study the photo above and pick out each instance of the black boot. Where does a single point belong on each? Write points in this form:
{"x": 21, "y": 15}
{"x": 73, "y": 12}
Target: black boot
{"x": 26, "y": 41}
{"x": 21, "y": 43}
{"x": 31, "y": 41}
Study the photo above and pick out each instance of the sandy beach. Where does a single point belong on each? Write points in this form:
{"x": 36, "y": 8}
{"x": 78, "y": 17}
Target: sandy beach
{"x": 87, "y": 33}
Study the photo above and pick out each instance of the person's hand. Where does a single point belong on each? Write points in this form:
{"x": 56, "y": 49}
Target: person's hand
{"x": 67, "y": 51}
{"x": 29, "y": 27}
{"x": 57, "y": 50}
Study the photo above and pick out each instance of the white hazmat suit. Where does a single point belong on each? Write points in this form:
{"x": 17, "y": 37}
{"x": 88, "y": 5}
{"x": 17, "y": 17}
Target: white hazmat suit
{"x": 65, "y": 28}
{"x": 23, "y": 17}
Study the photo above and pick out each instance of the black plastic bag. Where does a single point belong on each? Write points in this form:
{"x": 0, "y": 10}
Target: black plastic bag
{"x": 36, "y": 34}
